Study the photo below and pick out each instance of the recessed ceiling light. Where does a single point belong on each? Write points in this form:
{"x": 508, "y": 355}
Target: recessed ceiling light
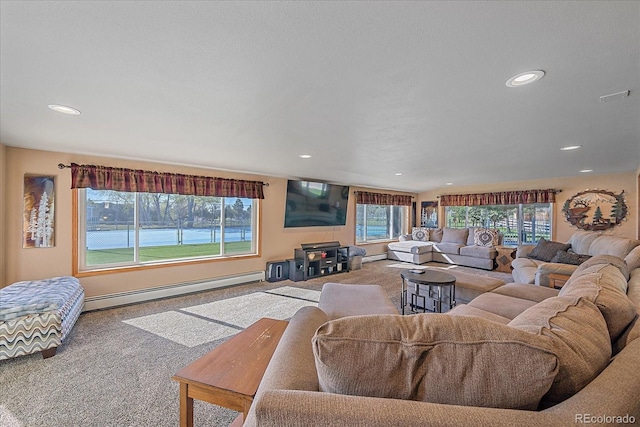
{"x": 398, "y": 173}
{"x": 305, "y": 156}
{"x": 448, "y": 183}
{"x": 525, "y": 78}
{"x": 586, "y": 170}
{"x": 571, "y": 147}
{"x": 64, "y": 109}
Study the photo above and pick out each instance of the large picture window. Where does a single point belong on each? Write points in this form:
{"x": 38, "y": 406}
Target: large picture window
{"x": 379, "y": 222}
{"x": 520, "y": 224}
{"x": 117, "y": 229}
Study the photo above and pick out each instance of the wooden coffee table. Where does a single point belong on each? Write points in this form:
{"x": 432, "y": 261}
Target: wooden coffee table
{"x": 229, "y": 374}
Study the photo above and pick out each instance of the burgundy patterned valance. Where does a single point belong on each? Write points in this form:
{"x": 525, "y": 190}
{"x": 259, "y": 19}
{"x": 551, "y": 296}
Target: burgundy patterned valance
{"x": 501, "y": 198}
{"x": 132, "y": 180}
{"x": 367, "y": 198}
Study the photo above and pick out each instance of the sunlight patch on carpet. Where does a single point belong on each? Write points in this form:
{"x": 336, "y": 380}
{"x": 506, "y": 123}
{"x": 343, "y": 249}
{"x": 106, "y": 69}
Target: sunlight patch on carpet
{"x": 301, "y": 293}
{"x": 247, "y": 309}
{"x": 182, "y": 328}
{"x": 406, "y": 265}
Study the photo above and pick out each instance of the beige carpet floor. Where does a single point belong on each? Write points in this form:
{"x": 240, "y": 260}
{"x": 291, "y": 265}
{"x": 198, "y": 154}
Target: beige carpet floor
{"x": 115, "y": 367}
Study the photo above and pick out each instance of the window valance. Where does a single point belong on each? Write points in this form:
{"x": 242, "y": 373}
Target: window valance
{"x": 500, "y": 198}
{"x": 367, "y": 198}
{"x": 133, "y": 180}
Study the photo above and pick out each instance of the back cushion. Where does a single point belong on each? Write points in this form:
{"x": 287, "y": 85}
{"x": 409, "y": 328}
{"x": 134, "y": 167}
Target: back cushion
{"x": 579, "y": 338}
{"x": 458, "y": 360}
{"x": 606, "y": 287}
{"x": 633, "y": 259}
{"x": 602, "y": 260}
{"x": 612, "y": 245}
{"x": 581, "y": 240}
{"x": 435, "y": 234}
{"x": 455, "y": 235}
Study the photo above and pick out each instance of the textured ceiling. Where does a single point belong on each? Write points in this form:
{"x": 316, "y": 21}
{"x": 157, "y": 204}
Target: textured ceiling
{"x": 368, "y": 88}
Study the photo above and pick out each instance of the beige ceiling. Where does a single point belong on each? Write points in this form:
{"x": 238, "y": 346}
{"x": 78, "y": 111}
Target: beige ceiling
{"x": 368, "y": 88}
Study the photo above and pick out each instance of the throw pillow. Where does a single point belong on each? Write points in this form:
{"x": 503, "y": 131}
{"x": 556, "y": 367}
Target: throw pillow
{"x": 486, "y": 237}
{"x": 420, "y": 234}
{"x": 457, "y": 360}
{"x": 580, "y": 339}
{"x": 565, "y": 257}
{"x": 455, "y": 235}
{"x": 545, "y": 250}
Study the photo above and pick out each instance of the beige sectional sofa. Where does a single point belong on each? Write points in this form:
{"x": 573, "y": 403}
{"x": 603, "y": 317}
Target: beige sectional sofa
{"x": 581, "y": 245}
{"x": 458, "y": 246}
{"x": 519, "y": 355}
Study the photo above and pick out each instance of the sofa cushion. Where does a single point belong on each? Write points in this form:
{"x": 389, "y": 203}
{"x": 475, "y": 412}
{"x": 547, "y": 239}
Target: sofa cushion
{"x": 580, "y": 340}
{"x": 411, "y": 246}
{"x": 566, "y": 257}
{"x": 467, "y": 310}
{"x": 581, "y": 240}
{"x": 448, "y": 248}
{"x": 435, "y": 234}
{"x": 486, "y": 237}
{"x": 606, "y": 287}
{"x": 420, "y": 234}
{"x": 438, "y": 358}
{"x": 502, "y": 305}
{"x": 633, "y": 259}
{"x": 604, "y": 260}
{"x": 612, "y": 245}
{"x": 526, "y": 291}
{"x": 455, "y": 235}
{"x": 472, "y": 233}
{"x": 479, "y": 251}
{"x": 545, "y": 250}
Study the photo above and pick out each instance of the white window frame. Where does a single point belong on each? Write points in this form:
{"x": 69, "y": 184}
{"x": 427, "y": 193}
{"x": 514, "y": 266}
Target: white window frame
{"x": 404, "y": 214}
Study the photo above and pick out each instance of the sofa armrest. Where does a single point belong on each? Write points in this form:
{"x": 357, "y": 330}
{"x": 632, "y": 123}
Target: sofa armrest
{"x": 524, "y": 250}
{"x": 279, "y": 408}
{"x": 542, "y": 274}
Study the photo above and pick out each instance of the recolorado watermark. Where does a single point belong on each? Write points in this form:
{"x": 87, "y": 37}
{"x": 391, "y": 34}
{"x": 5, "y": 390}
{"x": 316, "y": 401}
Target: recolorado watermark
{"x": 604, "y": 419}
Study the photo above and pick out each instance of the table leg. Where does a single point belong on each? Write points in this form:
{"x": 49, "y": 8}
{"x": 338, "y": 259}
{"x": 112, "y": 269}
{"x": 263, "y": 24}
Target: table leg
{"x": 186, "y": 406}
{"x": 403, "y": 294}
{"x": 439, "y": 303}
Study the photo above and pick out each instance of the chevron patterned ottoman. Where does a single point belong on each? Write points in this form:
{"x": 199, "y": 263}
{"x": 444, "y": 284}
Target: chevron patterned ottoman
{"x": 36, "y": 316}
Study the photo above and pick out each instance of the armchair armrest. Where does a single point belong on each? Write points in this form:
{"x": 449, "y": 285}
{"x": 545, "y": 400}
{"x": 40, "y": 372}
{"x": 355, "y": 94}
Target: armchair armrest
{"x": 547, "y": 268}
{"x": 524, "y": 250}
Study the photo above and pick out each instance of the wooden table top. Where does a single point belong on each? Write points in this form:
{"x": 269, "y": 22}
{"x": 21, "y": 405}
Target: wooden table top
{"x": 238, "y": 364}
{"x": 429, "y": 277}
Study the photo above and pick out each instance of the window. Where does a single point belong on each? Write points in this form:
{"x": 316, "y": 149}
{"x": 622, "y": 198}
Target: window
{"x": 117, "y": 229}
{"x": 379, "y": 222}
{"x": 523, "y": 223}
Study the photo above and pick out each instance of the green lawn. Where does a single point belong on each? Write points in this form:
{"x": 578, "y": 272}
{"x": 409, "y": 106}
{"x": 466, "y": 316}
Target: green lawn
{"x": 156, "y": 253}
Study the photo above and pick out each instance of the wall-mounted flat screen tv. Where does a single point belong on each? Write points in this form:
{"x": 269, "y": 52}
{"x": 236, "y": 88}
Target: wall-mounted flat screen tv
{"x": 312, "y": 204}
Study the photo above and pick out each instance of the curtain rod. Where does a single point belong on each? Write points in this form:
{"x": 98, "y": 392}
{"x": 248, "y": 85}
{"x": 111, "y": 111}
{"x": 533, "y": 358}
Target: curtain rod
{"x": 63, "y": 166}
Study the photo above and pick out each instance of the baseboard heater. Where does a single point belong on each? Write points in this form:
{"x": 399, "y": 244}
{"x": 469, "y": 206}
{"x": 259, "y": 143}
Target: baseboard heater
{"x": 141, "y": 295}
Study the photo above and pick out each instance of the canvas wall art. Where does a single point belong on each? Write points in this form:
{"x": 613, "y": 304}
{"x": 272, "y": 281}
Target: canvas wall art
{"x": 429, "y": 214}
{"x": 38, "y": 229}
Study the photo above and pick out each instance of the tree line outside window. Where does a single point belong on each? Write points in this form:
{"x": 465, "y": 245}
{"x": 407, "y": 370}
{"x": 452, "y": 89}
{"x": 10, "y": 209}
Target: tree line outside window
{"x": 519, "y": 224}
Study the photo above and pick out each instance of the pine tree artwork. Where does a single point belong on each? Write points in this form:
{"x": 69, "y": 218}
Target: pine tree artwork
{"x": 38, "y": 214}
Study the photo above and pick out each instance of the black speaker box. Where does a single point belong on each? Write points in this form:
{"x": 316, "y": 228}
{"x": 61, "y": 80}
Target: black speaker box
{"x": 277, "y": 270}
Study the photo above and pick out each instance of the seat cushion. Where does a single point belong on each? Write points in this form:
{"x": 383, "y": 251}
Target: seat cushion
{"x": 447, "y": 248}
{"x": 579, "y": 337}
{"x": 526, "y": 291}
{"x": 339, "y": 299}
{"x": 502, "y": 305}
{"x": 411, "y": 246}
{"x": 466, "y": 310}
{"x": 457, "y": 360}
{"x": 486, "y": 252}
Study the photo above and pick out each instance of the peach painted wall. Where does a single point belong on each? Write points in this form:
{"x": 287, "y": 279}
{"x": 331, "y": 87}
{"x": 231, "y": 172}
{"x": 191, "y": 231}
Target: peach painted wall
{"x": 27, "y": 264}
{"x": 2, "y": 210}
{"x": 569, "y": 186}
